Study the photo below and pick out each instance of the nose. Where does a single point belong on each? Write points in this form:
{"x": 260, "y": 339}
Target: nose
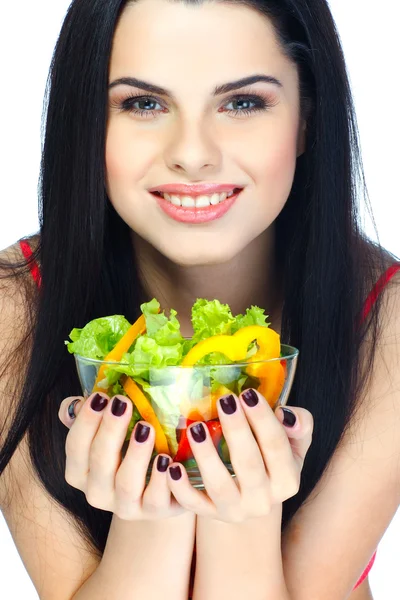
{"x": 193, "y": 149}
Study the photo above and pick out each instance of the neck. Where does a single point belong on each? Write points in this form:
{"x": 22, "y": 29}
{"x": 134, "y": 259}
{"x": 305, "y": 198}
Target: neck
{"x": 249, "y": 278}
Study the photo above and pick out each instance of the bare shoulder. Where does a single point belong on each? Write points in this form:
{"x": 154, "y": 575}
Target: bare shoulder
{"x": 55, "y": 556}
{"x": 14, "y": 251}
{"x": 332, "y": 537}
{"x": 17, "y": 292}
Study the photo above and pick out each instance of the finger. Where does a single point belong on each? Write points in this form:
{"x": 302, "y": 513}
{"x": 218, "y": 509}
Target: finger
{"x": 245, "y": 455}
{"x": 186, "y": 495}
{"x": 299, "y": 425}
{"x": 157, "y": 496}
{"x": 80, "y": 437}
{"x": 273, "y": 443}
{"x": 130, "y": 479}
{"x": 218, "y": 482}
{"x": 69, "y": 409}
{"x": 105, "y": 452}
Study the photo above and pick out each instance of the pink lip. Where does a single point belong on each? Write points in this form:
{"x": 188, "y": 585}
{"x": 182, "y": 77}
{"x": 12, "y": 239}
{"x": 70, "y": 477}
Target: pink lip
{"x": 196, "y": 215}
{"x": 190, "y": 190}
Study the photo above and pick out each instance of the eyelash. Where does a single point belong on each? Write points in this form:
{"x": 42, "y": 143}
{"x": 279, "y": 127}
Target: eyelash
{"x": 259, "y": 101}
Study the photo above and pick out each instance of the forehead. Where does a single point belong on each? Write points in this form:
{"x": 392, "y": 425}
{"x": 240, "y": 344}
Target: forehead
{"x": 164, "y": 38}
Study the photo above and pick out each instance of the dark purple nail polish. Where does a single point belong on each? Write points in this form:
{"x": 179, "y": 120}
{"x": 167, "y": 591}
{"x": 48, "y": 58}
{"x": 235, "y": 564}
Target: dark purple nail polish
{"x": 71, "y": 408}
{"x": 118, "y": 407}
{"x": 98, "y": 402}
{"x": 228, "y": 404}
{"x": 250, "y": 397}
{"x": 198, "y": 432}
{"x": 289, "y": 418}
{"x": 162, "y": 463}
{"x": 175, "y": 473}
{"x": 141, "y": 432}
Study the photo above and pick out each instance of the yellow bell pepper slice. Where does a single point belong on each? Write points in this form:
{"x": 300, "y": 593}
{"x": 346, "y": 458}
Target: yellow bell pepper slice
{"x": 269, "y": 347}
{"x": 146, "y": 412}
{"x": 235, "y": 346}
{"x": 226, "y": 344}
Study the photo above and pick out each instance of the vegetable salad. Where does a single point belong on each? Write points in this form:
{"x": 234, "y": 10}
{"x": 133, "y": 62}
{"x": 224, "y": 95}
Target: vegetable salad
{"x": 173, "y": 381}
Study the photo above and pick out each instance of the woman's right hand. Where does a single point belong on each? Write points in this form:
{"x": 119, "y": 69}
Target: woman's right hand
{"x": 94, "y": 462}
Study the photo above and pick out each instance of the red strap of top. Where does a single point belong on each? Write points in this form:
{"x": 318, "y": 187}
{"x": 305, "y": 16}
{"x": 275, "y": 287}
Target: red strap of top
{"x": 27, "y": 252}
{"x": 378, "y": 287}
{"x": 366, "y": 572}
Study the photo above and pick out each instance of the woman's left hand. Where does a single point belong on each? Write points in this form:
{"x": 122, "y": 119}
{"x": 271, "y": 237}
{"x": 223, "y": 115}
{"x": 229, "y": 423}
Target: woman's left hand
{"x": 267, "y": 458}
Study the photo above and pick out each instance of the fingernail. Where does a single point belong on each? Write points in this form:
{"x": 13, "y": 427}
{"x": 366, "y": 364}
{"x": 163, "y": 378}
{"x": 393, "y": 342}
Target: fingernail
{"x": 228, "y": 404}
{"x": 98, "y": 402}
{"x": 118, "y": 407}
{"x": 141, "y": 432}
{"x": 71, "y": 408}
{"x": 289, "y": 418}
{"x": 250, "y": 397}
{"x": 162, "y": 463}
{"x": 198, "y": 432}
{"x": 175, "y": 473}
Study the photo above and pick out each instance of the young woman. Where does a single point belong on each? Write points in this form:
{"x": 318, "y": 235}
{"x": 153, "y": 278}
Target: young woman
{"x": 184, "y": 97}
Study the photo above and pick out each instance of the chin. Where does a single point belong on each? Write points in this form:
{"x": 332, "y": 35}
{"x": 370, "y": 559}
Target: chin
{"x": 196, "y": 256}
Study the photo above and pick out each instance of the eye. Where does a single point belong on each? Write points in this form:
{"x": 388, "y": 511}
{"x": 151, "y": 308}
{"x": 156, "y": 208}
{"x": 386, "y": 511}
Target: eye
{"x": 245, "y": 100}
{"x": 247, "y": 104}
{"x": 146, "y": 101}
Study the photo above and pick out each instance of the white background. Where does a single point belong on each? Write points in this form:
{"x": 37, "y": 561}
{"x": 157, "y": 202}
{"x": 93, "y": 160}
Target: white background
{"x": 28, "y": 32}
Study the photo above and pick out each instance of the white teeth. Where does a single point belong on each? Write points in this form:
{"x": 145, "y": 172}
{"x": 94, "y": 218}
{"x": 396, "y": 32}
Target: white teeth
{"x": 173, "y": 199}
{"x": 202, "y": 201}
{"x": 188, "y": 201}
{"x": 198, "y": 201}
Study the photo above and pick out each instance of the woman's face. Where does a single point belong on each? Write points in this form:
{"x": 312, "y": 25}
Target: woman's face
{"x": 194, "y": 136}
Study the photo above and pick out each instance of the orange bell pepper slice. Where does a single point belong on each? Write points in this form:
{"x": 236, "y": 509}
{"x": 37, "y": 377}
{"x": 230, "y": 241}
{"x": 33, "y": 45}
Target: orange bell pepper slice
{"x": 272, "y": 381}
{"x": 146, "y": 412}
{"x": 120, "y": 348}
{"x": 132, "y": 390}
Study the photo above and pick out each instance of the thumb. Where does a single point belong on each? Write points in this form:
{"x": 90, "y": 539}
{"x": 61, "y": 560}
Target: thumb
{"x": 69, "y": 409}
{"x": 299, "y": 425}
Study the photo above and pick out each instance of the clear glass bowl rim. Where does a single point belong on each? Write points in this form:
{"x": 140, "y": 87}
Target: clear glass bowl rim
{"x": 293, "y": 353}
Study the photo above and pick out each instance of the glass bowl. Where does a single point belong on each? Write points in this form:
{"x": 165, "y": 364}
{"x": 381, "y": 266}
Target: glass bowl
{"x": 171, "y": 398}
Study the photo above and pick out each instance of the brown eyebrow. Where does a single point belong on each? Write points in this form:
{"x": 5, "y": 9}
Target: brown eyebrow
{"x": 218, "y": 90}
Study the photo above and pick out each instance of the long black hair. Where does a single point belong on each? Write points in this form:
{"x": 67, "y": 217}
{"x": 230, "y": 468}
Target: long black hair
{"x": 88, "y": 264}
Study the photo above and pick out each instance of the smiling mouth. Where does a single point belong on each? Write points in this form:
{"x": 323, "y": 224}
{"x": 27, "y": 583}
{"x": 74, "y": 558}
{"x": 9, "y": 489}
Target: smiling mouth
{"x": 197, "y": 201}
{"x": 189, "y": 212}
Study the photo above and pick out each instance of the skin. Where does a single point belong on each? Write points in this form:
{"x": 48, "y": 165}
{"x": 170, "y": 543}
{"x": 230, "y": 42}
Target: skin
{"x": 198, "y": 138}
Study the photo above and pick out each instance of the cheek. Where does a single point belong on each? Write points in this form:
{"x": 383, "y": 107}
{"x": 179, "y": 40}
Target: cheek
{"x": 276, "y": 154}
{"x": 116, "y": 155}
{"x": 127, "y": 155}
{"x": 273, "y": 167}
{"x": 280, "y": 166}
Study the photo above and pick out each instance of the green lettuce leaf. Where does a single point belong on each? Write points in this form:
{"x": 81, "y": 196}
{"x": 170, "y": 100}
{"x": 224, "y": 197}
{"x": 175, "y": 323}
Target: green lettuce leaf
{"x": 147, "y": 353}
{"x": 210, "y": 317}
{"x": 154, "y": 319}
{"x": 253, "y": 316}
{"x": 165, "y": 330}
{"x": 166, "y": 406}
{"x": 98, "y": 337}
